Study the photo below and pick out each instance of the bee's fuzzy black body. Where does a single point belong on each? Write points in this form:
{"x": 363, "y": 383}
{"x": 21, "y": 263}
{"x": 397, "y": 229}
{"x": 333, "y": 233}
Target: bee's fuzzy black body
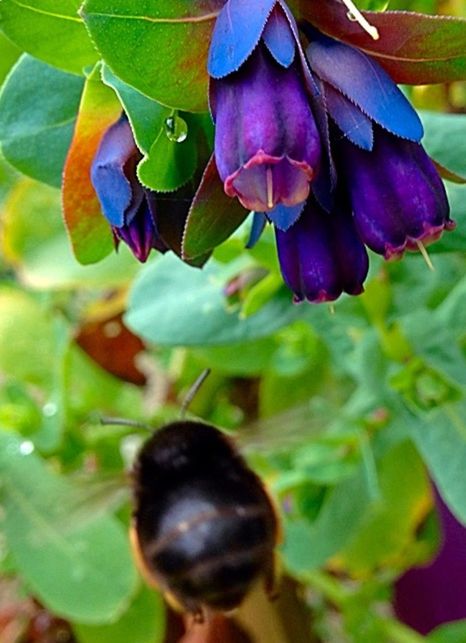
{"x": 204, "y": 526}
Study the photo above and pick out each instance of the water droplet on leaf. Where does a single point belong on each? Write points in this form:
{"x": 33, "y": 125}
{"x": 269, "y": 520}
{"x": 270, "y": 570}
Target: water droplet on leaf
{"x": 176, "y": 128}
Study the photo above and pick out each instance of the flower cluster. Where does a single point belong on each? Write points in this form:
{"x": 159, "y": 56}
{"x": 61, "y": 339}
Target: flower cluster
{"x": 324, "y": 144}
{"x": 313, "y": 136}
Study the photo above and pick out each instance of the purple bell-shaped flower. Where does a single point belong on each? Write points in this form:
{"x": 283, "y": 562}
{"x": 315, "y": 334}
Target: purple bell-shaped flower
{"x": 267, "y": 147}
{"x": 398, "y": 199}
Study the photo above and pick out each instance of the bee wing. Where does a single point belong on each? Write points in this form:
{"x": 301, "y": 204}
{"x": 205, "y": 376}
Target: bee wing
{"x": 91, "y": 498}
{"x": 289, "y": 429}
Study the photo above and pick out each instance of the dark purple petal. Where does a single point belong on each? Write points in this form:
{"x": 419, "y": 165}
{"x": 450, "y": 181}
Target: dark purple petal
{"x": 267, "y": 147}
{"x": 279, "y": 38}
{"x": 365, "y": 83}
{"x": 283, "y": 217}
{"x": 117, "y": 150}
{"x": 309, "y": 79}
{"x": 236, "y": 33}
{"x": 140, "y": 234}
{"x": 324, "y": 184}
{"x": 352, "y": 122}
{"x": 321, "y": 255}
{"x": 426, "y": 597}
{"x": 397, "y": 196}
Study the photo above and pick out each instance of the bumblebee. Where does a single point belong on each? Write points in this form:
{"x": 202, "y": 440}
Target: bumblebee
{"x": 204, "y": 529}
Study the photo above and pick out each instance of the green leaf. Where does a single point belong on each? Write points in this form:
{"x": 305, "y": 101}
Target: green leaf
{"x": 173, "y": 304}
{"x": 245, "y": 359}
{"x": 160, "y": 48}
{"x": 448, "y": 633}
{"x": 38, "y": 109}
{"x": 440, "y": 436}
{"x": 146, "y": 116}
{"x": 444, "y": 139}
{"x": 143, "y": 621}
{"x": 171, "y": 163}
{"x": 390, "y": 524}
{"x": 50, "y": 31}
{"x": 454, "y": 241}
{"x": 435, "y": 335}
{"x": 9, "y": 53}
{"x": 213, "y": 216}
{"x": 81, "y": 571}
{"x": 26, "y": 338}
{"x": 309, "y": 545}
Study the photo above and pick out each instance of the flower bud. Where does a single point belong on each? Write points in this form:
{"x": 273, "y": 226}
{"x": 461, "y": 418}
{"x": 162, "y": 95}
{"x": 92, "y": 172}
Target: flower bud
{"x": 321, "y": 255}
{"x": 126, "y": 204}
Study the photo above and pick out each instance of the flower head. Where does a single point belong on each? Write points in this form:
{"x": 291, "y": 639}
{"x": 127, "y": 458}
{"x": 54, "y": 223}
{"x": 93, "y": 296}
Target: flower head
{"x": 267, "y": 146}
{"x": 397, "y": 196}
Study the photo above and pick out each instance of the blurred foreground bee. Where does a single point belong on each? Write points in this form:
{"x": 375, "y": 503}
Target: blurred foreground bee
{"x": 204, "y": 529}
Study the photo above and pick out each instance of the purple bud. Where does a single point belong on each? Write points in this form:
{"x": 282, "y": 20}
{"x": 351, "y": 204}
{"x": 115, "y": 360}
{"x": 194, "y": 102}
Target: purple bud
{"x": 267, "y": 147}
{"x": 140, "y": 234}
{"x": 126, "y": 204}
{"x": 397, "y": 196}
{"x": 321, "y": 255}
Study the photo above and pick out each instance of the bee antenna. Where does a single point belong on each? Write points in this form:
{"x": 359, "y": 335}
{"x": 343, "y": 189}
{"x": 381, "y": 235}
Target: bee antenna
{"x": 193, "y": 390}
{"x": 107, "y": 421}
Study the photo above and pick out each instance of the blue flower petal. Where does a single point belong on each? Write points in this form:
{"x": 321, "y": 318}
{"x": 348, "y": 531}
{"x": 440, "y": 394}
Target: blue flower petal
{"x": 236, "y": 33}
{"x": 279, "y": 38}
{"x": 107, "y": 172}
{"x": 259, "y": 221}
{"x": 365, "y": 83}
{"x": 355, "y": 125}
{"x": 283, "y": 216}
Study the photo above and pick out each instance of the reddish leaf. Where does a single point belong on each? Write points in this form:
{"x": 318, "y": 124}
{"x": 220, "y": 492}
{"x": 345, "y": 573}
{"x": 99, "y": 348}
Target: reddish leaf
{"x": 89, "y": 232}
{"x": 413, "y": 48}
{"x": 213, "y": 216}
{"x": 109, "y": 343}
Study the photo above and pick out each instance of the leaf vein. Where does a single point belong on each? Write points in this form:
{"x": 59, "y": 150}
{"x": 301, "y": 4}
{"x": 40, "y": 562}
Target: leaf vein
{"x": 46, "y": 13}
{"x": 204, "y": 18}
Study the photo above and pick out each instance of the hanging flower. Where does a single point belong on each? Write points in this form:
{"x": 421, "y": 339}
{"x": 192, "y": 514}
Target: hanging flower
{"x": 127, "y": 205}
{"x": 398, "y": 199}
{"x": 267, "y": 147}
{"x": 321, "y": 255}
